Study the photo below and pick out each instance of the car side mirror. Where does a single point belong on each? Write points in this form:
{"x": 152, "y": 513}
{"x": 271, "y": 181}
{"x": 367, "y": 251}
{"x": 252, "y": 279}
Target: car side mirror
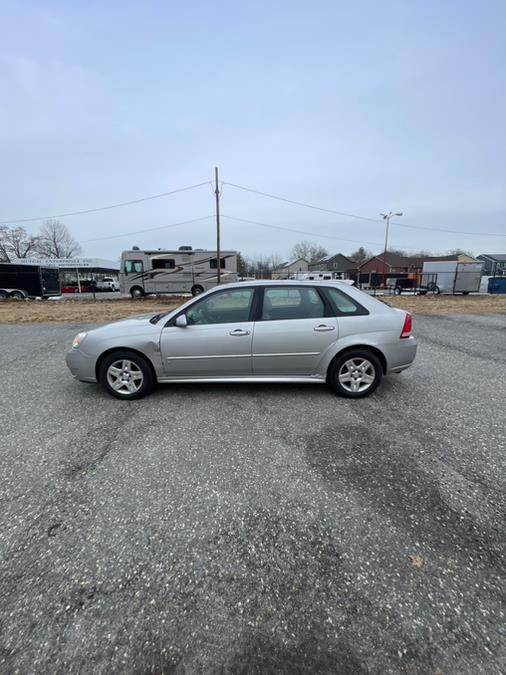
{"x": 181, "y": 321}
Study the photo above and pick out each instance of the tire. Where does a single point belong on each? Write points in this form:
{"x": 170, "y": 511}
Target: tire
{"x": 397, "y": 290}
{"x": 3, "y": 295}
{"x": 436, "y": 290}
{"x": 351, "y": 367}
{"x": 114, "y": 370}
{"x": 196, "y": 290}
{"x": 137, "y": 292}
{"x": 465, "y": 292}
{"x": 17, "y": 295}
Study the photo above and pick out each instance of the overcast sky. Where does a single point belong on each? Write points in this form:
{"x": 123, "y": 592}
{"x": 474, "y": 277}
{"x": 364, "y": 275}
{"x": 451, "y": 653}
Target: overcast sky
{"x": 359, "y": 107}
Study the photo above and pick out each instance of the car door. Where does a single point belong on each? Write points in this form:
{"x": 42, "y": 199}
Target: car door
{"x": 292, "y": 332}
{"x": 217, "y": 339}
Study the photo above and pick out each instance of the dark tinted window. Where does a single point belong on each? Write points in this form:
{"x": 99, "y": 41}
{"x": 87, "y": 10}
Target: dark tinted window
{"x": 343, "y": 303}
{"x": 292, "y": 303}
{"x": 225, "y": 307}
{"x": 163, "y": 263}
{"x": 213, "y": 263}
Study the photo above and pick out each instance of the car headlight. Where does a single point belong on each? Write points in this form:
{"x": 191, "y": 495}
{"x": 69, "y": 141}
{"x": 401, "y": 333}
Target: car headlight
{"x": 78, "y": 339}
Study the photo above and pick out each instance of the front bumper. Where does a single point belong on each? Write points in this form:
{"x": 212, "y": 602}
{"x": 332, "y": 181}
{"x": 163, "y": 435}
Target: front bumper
{"x": 81, "y": 366}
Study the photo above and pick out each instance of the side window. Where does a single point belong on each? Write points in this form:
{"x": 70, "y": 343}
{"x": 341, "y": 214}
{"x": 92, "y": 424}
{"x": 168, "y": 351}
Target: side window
{"x": 292, "y": 303}
{"x": 344, "y": 304}
{"x": 163, "y": 263}
{"x": 225, "y": 307}
{"x": 213, "y": 263}
{"x": 133, "y": 266}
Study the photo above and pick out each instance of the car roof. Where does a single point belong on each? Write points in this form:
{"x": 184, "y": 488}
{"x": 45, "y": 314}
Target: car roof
{"x": 282, "y": 282}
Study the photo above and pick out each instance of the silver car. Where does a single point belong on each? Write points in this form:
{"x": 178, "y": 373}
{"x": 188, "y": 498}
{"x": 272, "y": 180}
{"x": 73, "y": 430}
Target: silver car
{"x": 261, "y": 331}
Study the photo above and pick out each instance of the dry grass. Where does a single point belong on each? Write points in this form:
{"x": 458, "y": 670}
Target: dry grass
{"x": 102, "y": 311}
{"x": 82, "y": 311}
{"x": 448, "y": 304}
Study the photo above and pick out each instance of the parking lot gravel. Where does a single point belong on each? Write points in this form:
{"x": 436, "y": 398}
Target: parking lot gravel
{"x": 255, "y": 529}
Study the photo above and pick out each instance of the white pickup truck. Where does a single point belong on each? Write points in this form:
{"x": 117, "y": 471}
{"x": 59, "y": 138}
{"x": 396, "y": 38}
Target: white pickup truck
{"x": 107, "y": 284}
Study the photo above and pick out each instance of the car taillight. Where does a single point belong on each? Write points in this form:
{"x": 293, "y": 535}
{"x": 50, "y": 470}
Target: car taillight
{"x": 406, "y": 329}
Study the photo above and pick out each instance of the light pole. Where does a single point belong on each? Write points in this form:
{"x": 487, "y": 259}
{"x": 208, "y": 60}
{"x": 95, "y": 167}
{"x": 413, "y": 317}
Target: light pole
{"x": 386, "y": 217}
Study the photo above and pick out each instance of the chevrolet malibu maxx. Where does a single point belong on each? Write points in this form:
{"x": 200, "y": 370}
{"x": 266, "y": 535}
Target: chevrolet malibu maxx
{"x": 264, "y": 331}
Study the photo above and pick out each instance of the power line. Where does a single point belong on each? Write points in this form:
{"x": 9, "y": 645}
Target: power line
{"x": 353, "y": 215}
{"x": 105, "y": 208}
{"x": 312, "y": 234}
{"x": 308, "y": 206}
{"x": 149, "y": 229}
{"x": 297, "y": 231}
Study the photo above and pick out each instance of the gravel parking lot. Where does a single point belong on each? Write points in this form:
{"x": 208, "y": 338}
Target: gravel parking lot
{"x": 255, "y": 529}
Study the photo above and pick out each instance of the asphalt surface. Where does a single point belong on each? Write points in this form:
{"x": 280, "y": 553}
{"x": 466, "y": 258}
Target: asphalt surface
{"x": 255, "y": 529}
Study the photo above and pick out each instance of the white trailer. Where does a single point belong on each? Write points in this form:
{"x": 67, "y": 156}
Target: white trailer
{"x": 451, "y": 277}
{"x": 185, "y": 270}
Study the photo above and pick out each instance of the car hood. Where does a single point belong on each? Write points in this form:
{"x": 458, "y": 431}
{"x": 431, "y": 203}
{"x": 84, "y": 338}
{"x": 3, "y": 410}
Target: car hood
{"x": 131, "y": 326}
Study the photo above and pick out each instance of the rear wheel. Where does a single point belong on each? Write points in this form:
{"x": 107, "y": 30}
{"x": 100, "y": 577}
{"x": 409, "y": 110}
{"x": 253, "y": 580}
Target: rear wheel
{"x": 355, "y": 374}
{"x": 17, "y": 295}
{"x": 397, "y": 290}
{"x": 126, "y": 375}
{"x": 137, "y": 292}
{"x": 3, "y": 294}
{"x": 196, "y": 290}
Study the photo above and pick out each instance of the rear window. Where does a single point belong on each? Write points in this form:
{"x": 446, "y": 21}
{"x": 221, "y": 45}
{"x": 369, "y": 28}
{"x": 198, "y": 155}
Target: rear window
{"x": 343, "y": 304}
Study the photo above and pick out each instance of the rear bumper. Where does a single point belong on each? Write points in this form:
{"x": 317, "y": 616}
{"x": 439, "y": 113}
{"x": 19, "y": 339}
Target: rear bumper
{"x": 81, "y": 366}
{"x": 400, "y": 355}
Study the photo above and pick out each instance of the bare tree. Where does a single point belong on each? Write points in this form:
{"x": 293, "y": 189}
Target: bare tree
{"x": 309, "y": 250}
{"x": 360, "y": 255}
{"x": 55, "y": 241}
{"x": 15, "y": 242}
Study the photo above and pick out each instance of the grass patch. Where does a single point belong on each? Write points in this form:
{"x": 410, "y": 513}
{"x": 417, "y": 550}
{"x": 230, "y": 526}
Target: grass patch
{"x": 83, "y": 311}
{"x": 448, "y": 304}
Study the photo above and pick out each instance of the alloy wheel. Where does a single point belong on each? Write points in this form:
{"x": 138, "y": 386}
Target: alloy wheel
{"x": 125, "y": 377}
{"x": 356, "y": 375}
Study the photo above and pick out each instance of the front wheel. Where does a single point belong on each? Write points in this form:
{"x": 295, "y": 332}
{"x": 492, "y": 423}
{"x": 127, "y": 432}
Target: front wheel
{"x": 355, "y": 374}
{"x": 17, "y": 295}
{"x": 397, "y": 290}
{"x": 126, "y": 375}
{"x": 136, "y": 292}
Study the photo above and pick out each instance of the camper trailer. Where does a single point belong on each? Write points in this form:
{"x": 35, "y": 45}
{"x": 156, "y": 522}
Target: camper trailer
{"x": 185, "y": 270}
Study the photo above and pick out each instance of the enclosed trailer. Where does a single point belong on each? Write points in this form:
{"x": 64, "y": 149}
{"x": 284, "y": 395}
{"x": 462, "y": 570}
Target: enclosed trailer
{"x": 452, "y": 277}
{"x": 28, "y": 281}
{"x": 186, "y": 270}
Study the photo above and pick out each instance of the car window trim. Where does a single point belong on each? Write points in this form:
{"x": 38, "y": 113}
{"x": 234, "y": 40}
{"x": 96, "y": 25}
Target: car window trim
{"x": 327, "y": 307}
{"x": 172, "y": 320}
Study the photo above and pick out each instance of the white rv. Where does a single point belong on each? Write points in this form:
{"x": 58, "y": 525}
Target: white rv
{"x": 186, "y": 270}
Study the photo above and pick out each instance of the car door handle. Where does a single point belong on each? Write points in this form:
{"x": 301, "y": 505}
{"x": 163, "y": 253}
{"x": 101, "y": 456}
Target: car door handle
{"x": 323, "y": 327}
{"x": 238, "y": 332}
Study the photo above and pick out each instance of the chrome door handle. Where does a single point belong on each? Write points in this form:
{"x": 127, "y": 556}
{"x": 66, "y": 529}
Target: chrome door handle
{"x": 238, "y": 332}
{"x": 323, "y": 327}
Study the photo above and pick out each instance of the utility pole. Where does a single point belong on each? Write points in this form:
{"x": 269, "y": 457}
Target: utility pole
{"x": 218, "y": 245}
{"x": 386, "y": 217}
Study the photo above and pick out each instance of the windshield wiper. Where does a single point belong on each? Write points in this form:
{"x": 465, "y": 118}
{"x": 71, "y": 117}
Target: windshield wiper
{"x": 156, "y": 318}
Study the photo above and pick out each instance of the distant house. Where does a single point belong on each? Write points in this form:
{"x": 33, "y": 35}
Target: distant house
{"x": 287, "y": 269}
{"x": 336, "y": 262}
{"x": 371, "y": 272}
{"x": 494, "y": 264}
